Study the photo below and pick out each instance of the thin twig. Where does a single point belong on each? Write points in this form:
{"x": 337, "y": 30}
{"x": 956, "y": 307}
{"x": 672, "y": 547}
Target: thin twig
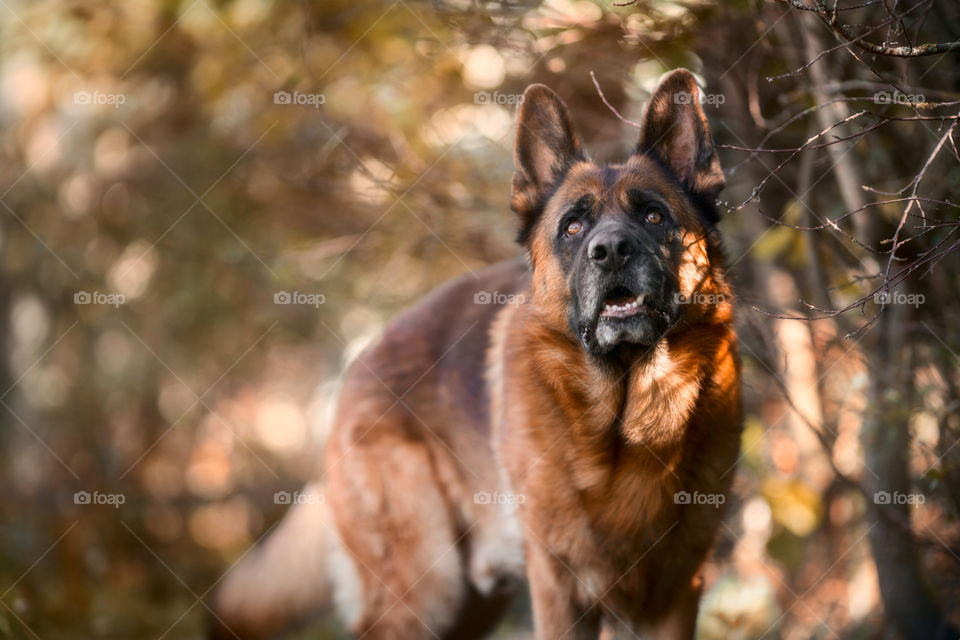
{"x": 610, "y": 106}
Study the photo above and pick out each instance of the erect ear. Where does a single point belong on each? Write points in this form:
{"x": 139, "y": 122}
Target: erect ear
{"x": 675, "y": 130}
{"x": 547, "y": 145}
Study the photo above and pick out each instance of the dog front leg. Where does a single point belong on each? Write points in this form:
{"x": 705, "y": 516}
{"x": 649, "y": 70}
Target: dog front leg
{"x": 557, "y": 615}
{"x": 681, "y": 621}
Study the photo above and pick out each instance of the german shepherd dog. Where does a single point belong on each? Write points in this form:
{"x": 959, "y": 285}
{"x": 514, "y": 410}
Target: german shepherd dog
{"x": 569, "y": 418}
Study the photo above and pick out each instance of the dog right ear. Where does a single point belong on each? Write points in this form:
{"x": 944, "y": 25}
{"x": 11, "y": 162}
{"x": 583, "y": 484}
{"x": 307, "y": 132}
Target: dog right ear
{"x": 547, "y": 146}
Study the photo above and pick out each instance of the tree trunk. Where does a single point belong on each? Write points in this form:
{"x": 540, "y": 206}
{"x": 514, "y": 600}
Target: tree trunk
{"x": 907, "y": 598}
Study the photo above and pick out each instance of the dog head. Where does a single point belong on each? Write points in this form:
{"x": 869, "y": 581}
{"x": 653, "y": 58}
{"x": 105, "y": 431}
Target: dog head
{"x": 623, "y": 253}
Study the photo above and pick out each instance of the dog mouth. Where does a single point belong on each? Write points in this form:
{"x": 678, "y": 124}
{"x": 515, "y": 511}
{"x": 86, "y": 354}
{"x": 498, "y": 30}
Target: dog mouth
{"x": 620, "y": 302}
{"x": 624, "y": 315}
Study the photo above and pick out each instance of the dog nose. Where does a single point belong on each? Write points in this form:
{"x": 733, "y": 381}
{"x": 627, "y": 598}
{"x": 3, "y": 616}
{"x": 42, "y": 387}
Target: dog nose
{"x": 611, "y": 248}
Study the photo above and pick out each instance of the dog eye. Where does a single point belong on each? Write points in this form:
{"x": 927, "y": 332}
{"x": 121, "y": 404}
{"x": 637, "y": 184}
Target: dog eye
{"x": 574, "y": 227}
{"x": 654, "y": 216}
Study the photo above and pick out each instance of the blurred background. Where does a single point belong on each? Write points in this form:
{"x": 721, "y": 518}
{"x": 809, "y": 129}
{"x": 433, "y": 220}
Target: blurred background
{"x": 207, "y": 207}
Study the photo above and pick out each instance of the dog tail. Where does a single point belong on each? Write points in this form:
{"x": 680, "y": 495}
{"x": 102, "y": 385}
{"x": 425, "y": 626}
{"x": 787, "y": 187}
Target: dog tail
{"x": 287, "y": 579}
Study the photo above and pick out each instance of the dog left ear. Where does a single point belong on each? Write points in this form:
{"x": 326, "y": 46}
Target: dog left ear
{"x": 547, "y": 145}
{"x": 676, "y": 132}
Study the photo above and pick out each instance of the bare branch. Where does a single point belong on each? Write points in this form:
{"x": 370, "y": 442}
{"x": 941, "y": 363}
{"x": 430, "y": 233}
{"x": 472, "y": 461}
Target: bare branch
{"x": 905, "y": 51}
{"x": 610, "y": 106}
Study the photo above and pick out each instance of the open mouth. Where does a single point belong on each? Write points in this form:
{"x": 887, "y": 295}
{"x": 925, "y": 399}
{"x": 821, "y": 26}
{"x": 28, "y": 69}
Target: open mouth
{"x": 621, "y": 303}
